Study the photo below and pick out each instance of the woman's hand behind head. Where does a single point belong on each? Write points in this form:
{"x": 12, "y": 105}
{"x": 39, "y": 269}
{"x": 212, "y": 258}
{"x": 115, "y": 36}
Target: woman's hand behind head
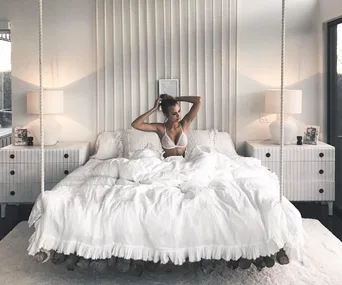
{"x": 157, "y": 103}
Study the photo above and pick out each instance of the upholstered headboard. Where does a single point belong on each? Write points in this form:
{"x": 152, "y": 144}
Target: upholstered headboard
{"x": 124, "y": 142}
{"x": 127, "y": 78}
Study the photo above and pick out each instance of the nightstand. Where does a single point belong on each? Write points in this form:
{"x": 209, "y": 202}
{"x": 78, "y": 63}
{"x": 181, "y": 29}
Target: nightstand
{"x": 20, "y": 169}
{"x": 309, "y": 170}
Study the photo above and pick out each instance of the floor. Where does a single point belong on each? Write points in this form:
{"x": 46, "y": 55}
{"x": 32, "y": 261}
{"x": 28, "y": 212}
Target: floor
{"x": 16, "y": 214}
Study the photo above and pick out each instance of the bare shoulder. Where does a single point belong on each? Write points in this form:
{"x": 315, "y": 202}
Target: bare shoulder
{"x": 159, "y": 128}
{"x": 185, "y": 125}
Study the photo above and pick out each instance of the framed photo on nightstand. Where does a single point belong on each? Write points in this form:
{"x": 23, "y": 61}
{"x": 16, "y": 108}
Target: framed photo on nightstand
{"x": 311, "y": 135}
{"x": 20, "y": 136}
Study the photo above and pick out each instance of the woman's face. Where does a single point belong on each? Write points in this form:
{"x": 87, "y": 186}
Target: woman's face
{"x": 174, "y": 113}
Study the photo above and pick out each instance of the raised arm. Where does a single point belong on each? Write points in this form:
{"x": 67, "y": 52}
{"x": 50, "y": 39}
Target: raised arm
{"x": 196, "y": 103}
{"x": 139, "y": 123}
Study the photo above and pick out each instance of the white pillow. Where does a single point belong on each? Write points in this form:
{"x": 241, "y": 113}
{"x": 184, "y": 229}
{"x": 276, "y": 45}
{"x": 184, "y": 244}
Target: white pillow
{"x": 108, "y": 145}
{"x": 224, "y": 143}
{"x": 200, "y": 138}
{"x": 134, "y": 140}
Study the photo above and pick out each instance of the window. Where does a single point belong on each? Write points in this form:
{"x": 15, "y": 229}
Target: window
{"x": 5, "y": 80}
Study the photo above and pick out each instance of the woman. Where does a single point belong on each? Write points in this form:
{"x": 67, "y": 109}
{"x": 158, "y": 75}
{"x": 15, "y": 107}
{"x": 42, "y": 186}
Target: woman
{"x": 172, "y": 133}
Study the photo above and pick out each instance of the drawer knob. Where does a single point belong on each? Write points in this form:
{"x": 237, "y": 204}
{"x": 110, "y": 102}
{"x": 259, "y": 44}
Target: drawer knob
{"x": 12, "y": 172}
{"x": 268, "y": 154}
{"x": 12, "y": 193}
{"x": 321, "y": 190}
{"x": 321, "y": 171}
{"x": 66, "y": 155}
{"x": 12, "y": 156}
{"x": 321, "y": 154}
{"x": 66, "y": 172}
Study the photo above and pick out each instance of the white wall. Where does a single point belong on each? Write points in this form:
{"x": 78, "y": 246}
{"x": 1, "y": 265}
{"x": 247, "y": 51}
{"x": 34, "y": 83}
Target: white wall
{"x": 330, "y": 10}
{"x": 69, "y": 59}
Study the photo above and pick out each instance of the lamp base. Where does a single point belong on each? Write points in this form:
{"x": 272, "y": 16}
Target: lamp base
{"x": 290, "y": 131}
{"x": 52, "y": 130}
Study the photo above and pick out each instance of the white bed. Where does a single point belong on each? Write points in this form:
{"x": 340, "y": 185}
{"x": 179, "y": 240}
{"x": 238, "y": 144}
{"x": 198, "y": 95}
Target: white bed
{"x": 129, "y": 202}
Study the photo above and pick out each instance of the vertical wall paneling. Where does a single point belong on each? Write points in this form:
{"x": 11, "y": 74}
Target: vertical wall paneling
{"x": 142, "y": 41}
{"x": 114, "y": 94}
{"x": 180, "y": 44}
{"x": 123, "y": 65}
{"x": 189, "y": 53}
{"x": 150, "y": 85}
{"x": 97, "y": 67}
{"x": 172, "y": 36}
{"x": 156, "y": 50}
{"x": 224, "y": 42}
{"x": 213, "y": 114}
{"x": 105, "y": 64}
{"x": 222, "y": 58}
{"x": 229, "y": 119}
{"x": 140, "y": 49}
{"x": 205, "y": 94}
{"x": 197, "y": 29}
{"x": 132, "y": 59}
{"x": 164, "y": 38}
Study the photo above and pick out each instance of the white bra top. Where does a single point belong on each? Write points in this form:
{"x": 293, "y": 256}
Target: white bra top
{"x": 167, "y": 143}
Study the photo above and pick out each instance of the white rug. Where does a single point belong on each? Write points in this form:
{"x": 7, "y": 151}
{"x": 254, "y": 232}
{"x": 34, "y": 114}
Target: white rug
{"x": 322, "y": 265}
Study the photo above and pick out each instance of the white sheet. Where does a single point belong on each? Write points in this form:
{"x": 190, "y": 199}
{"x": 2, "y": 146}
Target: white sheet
{"x": 207, "y": 205}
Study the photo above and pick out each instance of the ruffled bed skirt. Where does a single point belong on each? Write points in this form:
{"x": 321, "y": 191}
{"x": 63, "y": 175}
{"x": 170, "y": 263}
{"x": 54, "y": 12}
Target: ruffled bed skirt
{"x": 176, "y": 256}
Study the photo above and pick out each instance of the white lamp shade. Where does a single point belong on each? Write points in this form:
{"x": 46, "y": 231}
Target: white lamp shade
{"x": 53, "y": 102}
{"x": 292, "y": 101}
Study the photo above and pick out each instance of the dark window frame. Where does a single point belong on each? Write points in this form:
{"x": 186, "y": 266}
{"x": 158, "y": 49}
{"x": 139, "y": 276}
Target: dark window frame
{"x": 331, "y": 75}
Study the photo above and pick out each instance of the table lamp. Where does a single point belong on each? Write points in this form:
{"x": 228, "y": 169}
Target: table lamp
{"x": 53, "y": 104}
{"x": 292, "y": 105}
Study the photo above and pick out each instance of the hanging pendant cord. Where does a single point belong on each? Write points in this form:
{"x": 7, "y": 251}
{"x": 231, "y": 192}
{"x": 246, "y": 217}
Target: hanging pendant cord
{"x": 41, "y": 101}
{"x": 282, "y": 101}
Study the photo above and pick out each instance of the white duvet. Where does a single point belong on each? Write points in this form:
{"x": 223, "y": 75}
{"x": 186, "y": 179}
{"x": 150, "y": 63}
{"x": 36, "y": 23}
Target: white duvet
{"x": 207, "y": 205}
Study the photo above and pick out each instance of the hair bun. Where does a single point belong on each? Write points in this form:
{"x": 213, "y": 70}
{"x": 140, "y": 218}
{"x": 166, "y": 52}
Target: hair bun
{"x": 166, "y": 102}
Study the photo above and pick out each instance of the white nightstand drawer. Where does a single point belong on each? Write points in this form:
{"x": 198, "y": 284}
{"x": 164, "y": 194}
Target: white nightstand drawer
{"x": 25, "y": 173}
{"x": 12, "y": 155}
{"x": 62, "y": 155}
{"x": 19, "y": 173}
{"x": 33, "y": 156}
{"x": 303, "y": 170}
{"x": 268, "y": 151}
{"x": 22, "y": 192}
{"x": 16, "y": 193}
{"x": 61, "y": 152}
{"x": 309, "y": 191}
{"x": 55, "y": 172}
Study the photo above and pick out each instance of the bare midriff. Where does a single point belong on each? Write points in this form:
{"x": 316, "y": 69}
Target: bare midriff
{"x": 177, "y": 151}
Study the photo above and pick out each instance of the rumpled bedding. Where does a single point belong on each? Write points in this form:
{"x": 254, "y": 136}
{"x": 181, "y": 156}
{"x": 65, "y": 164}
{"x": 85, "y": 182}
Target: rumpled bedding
{"x": 204, "y": 206}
